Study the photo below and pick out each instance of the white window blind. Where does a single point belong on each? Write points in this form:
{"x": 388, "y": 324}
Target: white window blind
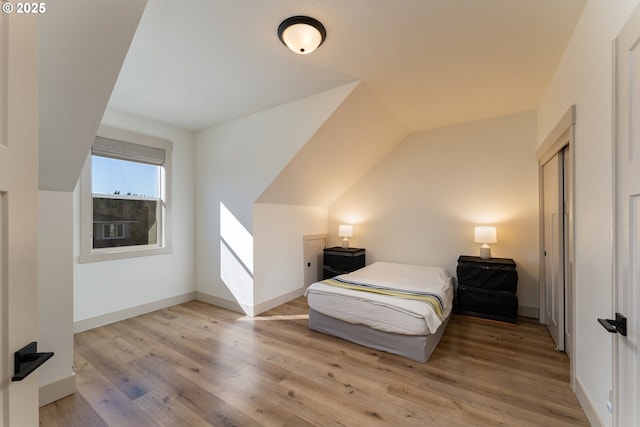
{"x": 122, "y": 150}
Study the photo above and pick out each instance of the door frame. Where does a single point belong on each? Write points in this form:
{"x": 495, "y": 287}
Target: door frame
{"x": 307, "y": 253}
{"x": 554, "y": 280}
{"x": 622, "y": 380}
{"x": 19, "y": 216}
{"x": 562, "y": 135}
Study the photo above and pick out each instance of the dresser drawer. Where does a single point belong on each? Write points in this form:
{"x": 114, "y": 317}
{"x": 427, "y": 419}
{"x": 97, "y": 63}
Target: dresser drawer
{"x": 496, "y": 305}
{"x": 496, "y": 277}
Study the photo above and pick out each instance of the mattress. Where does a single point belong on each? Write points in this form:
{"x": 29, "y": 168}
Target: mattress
{"x": 415, "y": 347}
{"x": 385, "y": 313}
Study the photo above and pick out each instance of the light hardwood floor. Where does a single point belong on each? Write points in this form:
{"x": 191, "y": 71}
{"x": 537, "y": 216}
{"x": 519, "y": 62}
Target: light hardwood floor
{"x": 199, "y": 365}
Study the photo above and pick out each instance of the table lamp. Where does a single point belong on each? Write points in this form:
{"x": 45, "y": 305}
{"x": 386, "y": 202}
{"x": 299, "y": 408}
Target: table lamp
{"x": 345, "y": 231}
{"x": 485, "y": 234}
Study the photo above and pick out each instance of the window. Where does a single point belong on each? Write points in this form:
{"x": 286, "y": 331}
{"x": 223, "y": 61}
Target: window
{"x": 126, "y": 202}
{"x": 125, "y": 197}
{"x": 110, "y": 231}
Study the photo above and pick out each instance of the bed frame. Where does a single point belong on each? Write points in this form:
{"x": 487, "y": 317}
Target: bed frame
{"x": 414, "y": 347}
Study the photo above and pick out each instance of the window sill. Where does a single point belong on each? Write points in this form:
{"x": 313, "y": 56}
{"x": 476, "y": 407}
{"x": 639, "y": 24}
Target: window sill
{"x": 122, "y": 254}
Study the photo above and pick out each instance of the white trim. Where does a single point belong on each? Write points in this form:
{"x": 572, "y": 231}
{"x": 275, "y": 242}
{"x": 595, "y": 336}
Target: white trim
{"x": 123, "y": 253}
{"x": 615, "y": 212}
{"x": 549, "y": 147}
{"x": 127, "y": 313}
{"x": 275, "y": 302}
{"x": 562, "y": 135}
{"x": 4, "y": 80}
{"x": 57, "y": 390}
{"x": 306, "y": 253}
{"x": 248, "y": 309}
{"x": 588, "y": 407}
{"x": 223, "y": 303}
{"x": 529, "y": 311}
{"x": 87, "y": 254}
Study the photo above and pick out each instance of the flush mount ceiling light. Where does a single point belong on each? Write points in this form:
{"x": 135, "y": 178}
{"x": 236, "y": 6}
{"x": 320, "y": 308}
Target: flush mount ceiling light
{"x": 302, "y": 34}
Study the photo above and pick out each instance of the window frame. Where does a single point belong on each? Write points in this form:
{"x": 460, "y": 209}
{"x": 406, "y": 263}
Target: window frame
{"x": 108, "y": 235}
{"x": 164, "y": 246}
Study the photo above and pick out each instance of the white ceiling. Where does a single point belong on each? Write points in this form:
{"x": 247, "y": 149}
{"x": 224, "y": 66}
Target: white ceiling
{"x": 197, "y": 63}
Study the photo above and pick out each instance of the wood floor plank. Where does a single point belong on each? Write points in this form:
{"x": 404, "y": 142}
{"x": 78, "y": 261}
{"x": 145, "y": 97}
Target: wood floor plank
{"x": 113, "y": 406}
{"x": 199, "y": 365}
{"x": 71, "y": 411}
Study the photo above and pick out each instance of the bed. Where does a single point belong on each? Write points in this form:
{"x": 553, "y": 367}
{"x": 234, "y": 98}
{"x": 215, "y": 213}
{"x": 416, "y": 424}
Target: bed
{"x": 398, "y": 308}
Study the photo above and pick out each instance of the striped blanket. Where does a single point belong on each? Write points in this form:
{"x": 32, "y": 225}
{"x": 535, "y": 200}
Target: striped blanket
{"x": 434, "y": 300}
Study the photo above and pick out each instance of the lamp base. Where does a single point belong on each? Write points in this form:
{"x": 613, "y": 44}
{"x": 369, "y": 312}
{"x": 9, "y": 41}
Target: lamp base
{"x": 345, "y": 243}
{"x": 485, "y": 253}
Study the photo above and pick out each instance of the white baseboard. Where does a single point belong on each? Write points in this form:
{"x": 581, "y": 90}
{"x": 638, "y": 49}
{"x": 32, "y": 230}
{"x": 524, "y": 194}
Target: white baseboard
{"x": 224, "y": 303}
{"x": 127, "y": 313}
{"x": 268, "y": 305}
{"x": 57, "y": 390}
{"x": 587, "y": 406}
{"x": 528, "y": 311}
{"x": 247, "y": 309}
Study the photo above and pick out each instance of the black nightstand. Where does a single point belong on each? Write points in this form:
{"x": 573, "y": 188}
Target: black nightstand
{"x": 338, "y": 260}
{"x": 487, "y": 288}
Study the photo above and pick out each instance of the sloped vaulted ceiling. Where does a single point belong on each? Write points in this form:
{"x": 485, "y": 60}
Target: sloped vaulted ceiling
{"x": 432, "y": 63}
{"x": 82, "y": 45}
{"x": 354, "y": 138}
{"x": 200, "y": 63}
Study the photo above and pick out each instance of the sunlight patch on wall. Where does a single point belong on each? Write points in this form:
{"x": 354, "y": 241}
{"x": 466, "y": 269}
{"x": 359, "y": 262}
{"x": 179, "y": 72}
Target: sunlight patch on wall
{"x": 237, "y": 279}
{"x": 236, "y": 257}
{"x": 239, "y": 240}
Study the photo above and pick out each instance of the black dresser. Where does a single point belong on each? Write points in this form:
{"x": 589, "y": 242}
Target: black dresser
{"x": 338, "y": 260}
{"x": 487, "y": 288}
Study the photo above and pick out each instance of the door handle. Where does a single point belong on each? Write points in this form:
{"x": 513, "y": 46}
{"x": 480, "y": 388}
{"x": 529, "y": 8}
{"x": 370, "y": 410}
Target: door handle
{"x": 27, "y": 360}
{"x": 618, "y": 325}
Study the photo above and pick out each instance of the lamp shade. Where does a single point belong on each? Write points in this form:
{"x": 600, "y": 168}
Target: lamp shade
{"x": 485, "y": 234}
{"x": 345, "y": 230}
{"x": 302, "y": 34}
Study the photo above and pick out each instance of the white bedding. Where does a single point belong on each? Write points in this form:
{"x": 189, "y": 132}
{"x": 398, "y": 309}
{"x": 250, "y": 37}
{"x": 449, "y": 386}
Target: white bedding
{"x": 381, "y": 312}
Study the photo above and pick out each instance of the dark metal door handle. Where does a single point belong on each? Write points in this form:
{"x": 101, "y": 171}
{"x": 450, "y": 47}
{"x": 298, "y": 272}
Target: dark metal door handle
{"x": 618, "y": 325}
{"x": 27, "y": 360}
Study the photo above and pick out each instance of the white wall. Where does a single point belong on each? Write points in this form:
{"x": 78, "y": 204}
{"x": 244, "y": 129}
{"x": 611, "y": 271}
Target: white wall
{"x": 108, "y": 287}
{"x": 82, "y": 46}
{"x": 18, "y": 213}
{"x": 420, "y": 203}
{"x": 55, "y": 293}
{"x": 359, "y": 133}
{"x": 584, "y": 78}
{"x": 278, "y": 250}
{"x": 77, "y": 68}
{"x": 235, "y": 162}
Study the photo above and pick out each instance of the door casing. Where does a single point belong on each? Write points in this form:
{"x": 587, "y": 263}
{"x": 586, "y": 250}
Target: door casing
{"x": 626, "y": 222}
{"x": 560, "y": 138}
{"x": 19, "y": 212}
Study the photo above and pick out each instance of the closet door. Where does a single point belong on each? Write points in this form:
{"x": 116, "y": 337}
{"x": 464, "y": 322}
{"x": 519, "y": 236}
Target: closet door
{"x": 554, "y": 249}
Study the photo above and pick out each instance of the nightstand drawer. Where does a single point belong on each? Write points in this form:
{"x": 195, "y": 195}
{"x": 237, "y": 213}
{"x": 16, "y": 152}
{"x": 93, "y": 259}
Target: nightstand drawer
{"x": 339, "y": 260}
{"x": 495, "y": 305}
{"x": 495, "y": 277}
{"x": 487, "y": 288}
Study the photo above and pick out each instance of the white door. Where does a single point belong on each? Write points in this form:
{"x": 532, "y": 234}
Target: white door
{"x": 567, "y": 265}
{"x": 627, "y": 219}
{"x": 313, "y": 257}
{"x": 18, "y": 212}
{"x": 553, "y": 249}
